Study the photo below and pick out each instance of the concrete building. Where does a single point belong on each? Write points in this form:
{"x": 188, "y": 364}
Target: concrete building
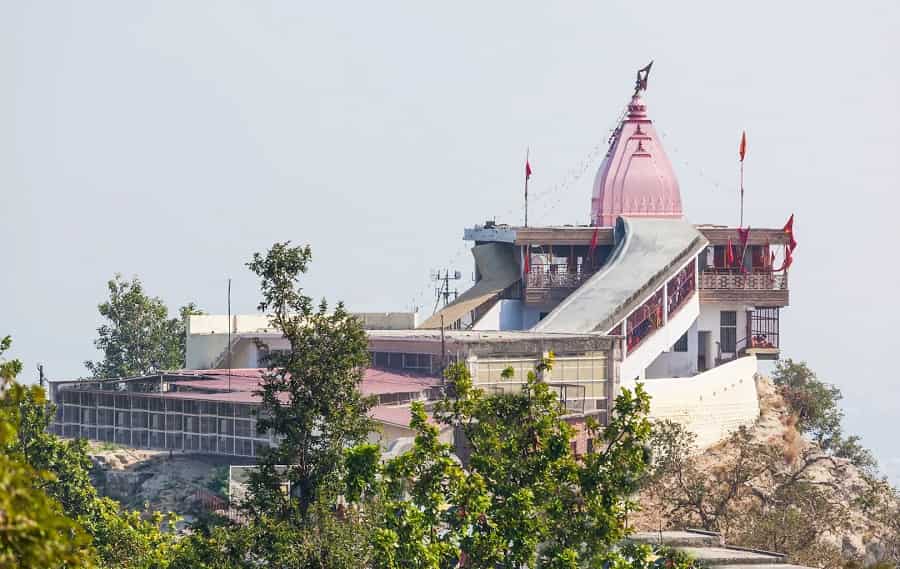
{"x": 208, "y": 336}
{"x": 214, "y": 410}
{"x": 683, "y": 299}
{"x": 641, "y": 294}
{"x": 206, "y": 411}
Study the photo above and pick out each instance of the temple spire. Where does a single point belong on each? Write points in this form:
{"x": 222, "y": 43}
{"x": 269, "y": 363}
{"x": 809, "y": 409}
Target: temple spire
{"x": 636, "y": 178}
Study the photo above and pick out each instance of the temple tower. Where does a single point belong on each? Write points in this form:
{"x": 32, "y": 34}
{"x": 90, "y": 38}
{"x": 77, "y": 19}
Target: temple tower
{"x": 636, "y": 178}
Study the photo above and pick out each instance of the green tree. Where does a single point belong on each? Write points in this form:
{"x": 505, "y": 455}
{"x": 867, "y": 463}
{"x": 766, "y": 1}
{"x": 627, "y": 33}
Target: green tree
{"x": 138, "y": 337}
{"x": 816, "y": 406}
{"x": 310, "y": 396}
{"x": 120, "y": 538}
{"x": 523, "y": 500}
{"x": 756, "y": 495}
{"x": 34, "y": 531}
{"x": 324, "y": 540}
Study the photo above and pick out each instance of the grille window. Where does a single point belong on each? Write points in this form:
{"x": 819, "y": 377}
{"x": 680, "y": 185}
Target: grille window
{"x": 728, "y": 331}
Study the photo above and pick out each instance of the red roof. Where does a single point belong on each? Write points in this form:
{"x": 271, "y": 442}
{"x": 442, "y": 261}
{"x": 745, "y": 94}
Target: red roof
{"x": 399, "y": 416}
{"x": 375, "y": 382}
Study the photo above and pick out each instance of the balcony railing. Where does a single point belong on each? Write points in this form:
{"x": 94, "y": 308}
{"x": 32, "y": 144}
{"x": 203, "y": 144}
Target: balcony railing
{"x": 680, "y": 288}
{"x": 555, "y": 276}
{"x": 734, "y": 280}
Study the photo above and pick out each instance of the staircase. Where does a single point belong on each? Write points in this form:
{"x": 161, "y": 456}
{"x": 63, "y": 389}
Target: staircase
{"x": 709, "y": 549}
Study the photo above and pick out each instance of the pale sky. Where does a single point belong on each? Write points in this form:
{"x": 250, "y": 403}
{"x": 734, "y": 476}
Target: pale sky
{"x": 173, "y": 139}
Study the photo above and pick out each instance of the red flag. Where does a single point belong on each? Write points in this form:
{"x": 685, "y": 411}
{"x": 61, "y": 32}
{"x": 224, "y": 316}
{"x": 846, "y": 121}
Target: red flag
{"x": 527, "y": 169}
{"x": 729, "y": 254}
{"x": 743, "y": 235}
{"x": 527, "y": 259}
{"x": 789, "y": 229}
{"x": 766, "y": 255}
{"x": 593, "y": 246}
{"x": 788, "y": 259}
{"x": 789, "y": 226}
{"x": 743, "y": 148}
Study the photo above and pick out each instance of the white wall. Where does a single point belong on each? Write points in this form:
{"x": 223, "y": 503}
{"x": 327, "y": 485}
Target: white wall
{"x": 388, "y": 320}
{"x": 207, "y": 335}
{"x": 531, "y": 315}
{"x": 506, "y": 314}
{"x": 711, "y": 404}
{"x": 676, "y": 364}
{"x": 389, "y": 433}
{"x": 710, "y": 321}
{"x": 259, "y": 323}
{"x": 636, "y": 361}
{"x": 218, "y": 323}
{"x": 202, "y": 349}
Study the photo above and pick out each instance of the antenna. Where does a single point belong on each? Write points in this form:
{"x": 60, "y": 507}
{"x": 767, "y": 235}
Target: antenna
{"x": 229, "y": 335}
{"x": 443, "y": 289}
{"x": 41, "y": 378}
{"x": 443, "y": 350}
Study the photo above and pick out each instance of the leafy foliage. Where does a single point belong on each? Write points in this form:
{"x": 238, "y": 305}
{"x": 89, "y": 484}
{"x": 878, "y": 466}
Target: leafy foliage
{"x": 326, "y": 539}
{"x": 119, "y": 539}
{"x": 310, "y": 397}
{"x": 815, "y": 403}
{"x": 138, "y": 337}
{"x": 523, "y": 500}
{"x": 689, "y": 495}
{"x": 758, "y": 495}
{"x": 34, "y": 531}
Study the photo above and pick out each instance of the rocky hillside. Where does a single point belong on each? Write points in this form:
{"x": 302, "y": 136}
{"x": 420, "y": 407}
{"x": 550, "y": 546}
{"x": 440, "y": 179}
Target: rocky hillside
{"x": 156, "y": 480}
{"x": 771, "y": 488}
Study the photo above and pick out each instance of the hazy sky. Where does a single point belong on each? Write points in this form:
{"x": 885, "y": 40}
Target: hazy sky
{"x": 173, "y": 139}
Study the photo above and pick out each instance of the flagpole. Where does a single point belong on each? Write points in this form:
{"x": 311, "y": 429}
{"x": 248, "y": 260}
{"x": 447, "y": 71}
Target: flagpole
{"x": 526, "y": 186}
{"x": 742, "y": 152}
{"x": 742, "y": 192}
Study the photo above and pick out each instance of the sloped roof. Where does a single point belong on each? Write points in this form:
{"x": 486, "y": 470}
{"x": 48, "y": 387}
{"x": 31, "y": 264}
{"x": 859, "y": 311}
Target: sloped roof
{"x": 498, "y": 268}
{"x": 648, "y": 251}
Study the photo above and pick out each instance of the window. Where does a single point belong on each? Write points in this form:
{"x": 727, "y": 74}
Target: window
{"x": 728, "y": 331}
{"x": 763, "y": 328}
{"x": 590, "y": 446}
{"x": 719, "y": 256}
{"x": 682, "y": 344}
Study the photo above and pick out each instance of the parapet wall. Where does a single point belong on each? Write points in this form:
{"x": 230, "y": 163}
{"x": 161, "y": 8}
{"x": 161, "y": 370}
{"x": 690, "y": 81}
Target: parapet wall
{"x": 712, "y": 404}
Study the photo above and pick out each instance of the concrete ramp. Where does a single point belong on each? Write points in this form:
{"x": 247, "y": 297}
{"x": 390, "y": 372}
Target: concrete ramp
{"x": 499, "y": 270}
{"x": 647, "y": 253}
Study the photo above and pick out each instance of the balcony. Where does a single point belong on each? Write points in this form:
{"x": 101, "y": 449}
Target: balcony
{"x": 760, "y": 288}
{"x": 761, "y": 338}
{"x": 551, "y": 283}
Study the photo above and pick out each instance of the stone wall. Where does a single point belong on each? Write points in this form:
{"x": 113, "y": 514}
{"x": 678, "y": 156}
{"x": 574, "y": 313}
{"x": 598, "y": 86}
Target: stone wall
{"x": 712, "y": 404}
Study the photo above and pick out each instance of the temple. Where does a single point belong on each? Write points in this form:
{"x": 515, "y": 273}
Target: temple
{"x": 640, "y": 293}
{"x": 685, "y": 299}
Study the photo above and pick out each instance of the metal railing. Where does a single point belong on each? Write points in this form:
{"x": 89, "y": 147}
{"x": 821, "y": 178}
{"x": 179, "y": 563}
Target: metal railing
{"x": 718, "y": 279}
{"x": 555, "y": 276}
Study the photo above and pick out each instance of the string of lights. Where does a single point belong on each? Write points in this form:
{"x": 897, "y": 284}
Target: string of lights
{"x": 559, "y": 191}
{"x": 713, "y": 182}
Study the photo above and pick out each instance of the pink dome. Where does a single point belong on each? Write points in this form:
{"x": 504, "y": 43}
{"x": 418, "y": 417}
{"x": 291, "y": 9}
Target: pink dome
{"x": 635, "y": 178}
